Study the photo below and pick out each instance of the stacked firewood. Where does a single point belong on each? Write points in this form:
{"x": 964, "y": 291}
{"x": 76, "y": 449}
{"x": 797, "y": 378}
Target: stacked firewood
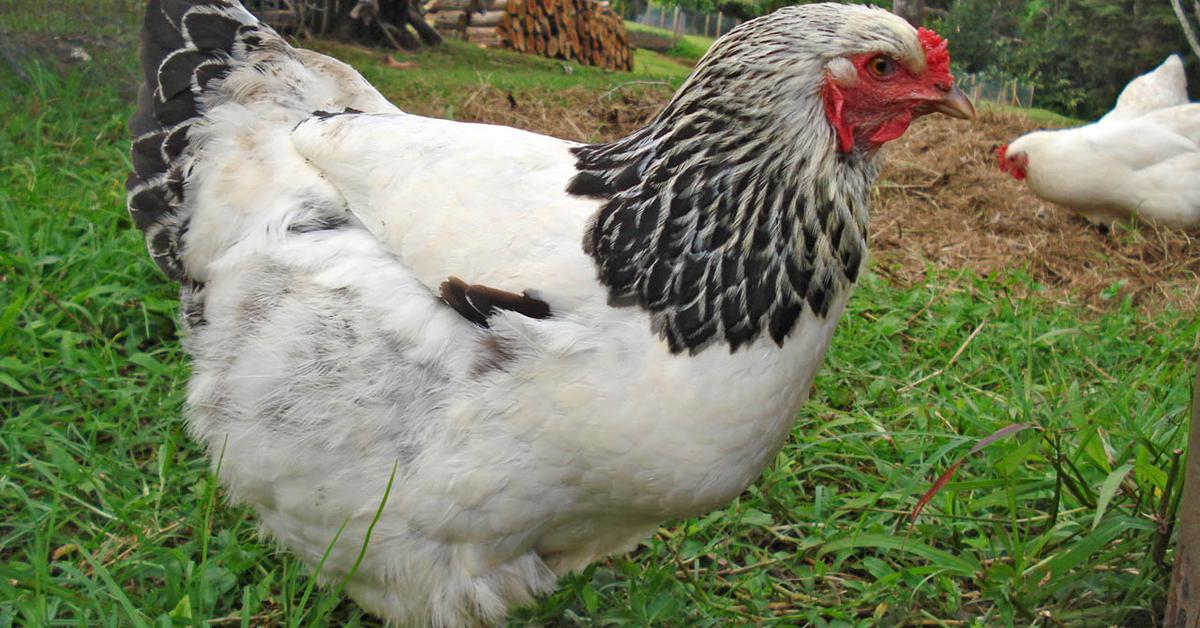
{"x": 575, "y": 30}
{"x": 473, "y": 20}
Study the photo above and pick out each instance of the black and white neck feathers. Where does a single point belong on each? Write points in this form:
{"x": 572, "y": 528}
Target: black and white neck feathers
{"x": 732, "y": 212}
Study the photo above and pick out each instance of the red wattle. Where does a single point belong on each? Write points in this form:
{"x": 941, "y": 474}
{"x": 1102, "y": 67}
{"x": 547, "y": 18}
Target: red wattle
{"x": 892, "y": 129}
{"x": 834, "y": 102}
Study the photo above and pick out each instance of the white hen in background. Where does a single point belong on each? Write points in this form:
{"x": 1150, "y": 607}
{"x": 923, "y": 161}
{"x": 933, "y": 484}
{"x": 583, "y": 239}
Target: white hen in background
{"x": 1141, "y": 160}
{"x": 639, "y": 324}
{"x": 1165, "y": 86}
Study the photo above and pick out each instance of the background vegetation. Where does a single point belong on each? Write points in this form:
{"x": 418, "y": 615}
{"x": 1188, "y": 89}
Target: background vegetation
{"x": 1077, "y": 54}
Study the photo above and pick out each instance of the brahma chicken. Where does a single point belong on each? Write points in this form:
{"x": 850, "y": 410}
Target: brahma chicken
{"x": 523, "y": 373}
{"x": 1141, "y": 160}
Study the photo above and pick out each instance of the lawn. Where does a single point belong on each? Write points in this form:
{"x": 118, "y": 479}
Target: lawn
{"x": 686, "y": 47}
{"x": 109, "y": 515}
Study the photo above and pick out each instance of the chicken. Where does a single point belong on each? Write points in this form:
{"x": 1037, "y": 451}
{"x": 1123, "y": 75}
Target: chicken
{"x": 1141, "y": 160}
{"x": 518, "y": 374}
{"x": 1165, "y": 87}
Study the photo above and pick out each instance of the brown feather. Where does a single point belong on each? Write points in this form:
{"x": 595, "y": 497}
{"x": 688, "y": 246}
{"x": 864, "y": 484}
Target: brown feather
{"x": 477, "y": 303}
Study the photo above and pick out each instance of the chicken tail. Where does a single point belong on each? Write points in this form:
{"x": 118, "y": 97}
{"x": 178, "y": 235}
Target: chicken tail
{"x": 220, "y": 90}
{"x": 187, "y": 49}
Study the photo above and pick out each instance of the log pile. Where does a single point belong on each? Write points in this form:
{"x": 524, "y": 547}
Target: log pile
{"x": 473, "y": 20}
{"x": 575, "y": 30}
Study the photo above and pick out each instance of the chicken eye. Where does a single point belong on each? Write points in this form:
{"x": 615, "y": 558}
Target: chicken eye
{"x": 882, "y": 66}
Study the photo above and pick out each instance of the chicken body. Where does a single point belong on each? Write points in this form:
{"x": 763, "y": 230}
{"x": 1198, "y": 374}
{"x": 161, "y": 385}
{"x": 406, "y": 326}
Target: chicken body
{"x": 1140, "y": 160}
{"x": 687, "y": 280}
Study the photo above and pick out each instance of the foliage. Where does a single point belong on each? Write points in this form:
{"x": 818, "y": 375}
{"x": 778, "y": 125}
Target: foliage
{"x": 746, "y": 9}
{"x": 1078, "y": 54}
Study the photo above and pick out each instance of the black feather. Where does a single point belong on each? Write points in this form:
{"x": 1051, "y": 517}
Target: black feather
{"x": 212, "y": 70}
{"x": 783, "y": 319}
{"x": 176, "y": 72}
{"x": 209, "y": 31}
{"x": 176, "y": 142}
{"x": 587, "y": 184}
{"x": 181, "y": 108}
{"x": 148, "y": 206}
{"x": 147, "y": 155}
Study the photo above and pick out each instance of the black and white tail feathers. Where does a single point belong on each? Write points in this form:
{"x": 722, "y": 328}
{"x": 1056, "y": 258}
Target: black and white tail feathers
{"x": 187, "y": 48}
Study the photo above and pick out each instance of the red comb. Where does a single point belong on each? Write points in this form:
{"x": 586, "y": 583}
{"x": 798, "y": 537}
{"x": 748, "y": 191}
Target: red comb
{"x": 937, "y": 57}
{"x": 1001, "y": 153}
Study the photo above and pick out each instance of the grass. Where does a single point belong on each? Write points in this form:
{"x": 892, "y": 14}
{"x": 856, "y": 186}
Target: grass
{"x": 1041, "y": 116}
{"x": 109, "y": 514}
{"x": 688, "y": 47}
{"x": 458, "y": 65}
{"x": 463, "y": 82}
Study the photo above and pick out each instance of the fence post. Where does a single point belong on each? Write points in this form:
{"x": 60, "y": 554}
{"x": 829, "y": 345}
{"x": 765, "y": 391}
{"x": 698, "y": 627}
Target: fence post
{"x": 1183, "y": 604}
{"x": 707, "y": 17}
{"x": 675, "y": 22}
{"x": 662, "y": 18}
{"x": 720, "y": 15}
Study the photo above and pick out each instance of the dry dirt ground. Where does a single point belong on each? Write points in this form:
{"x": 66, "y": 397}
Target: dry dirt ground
{"x": 941, "y": 205}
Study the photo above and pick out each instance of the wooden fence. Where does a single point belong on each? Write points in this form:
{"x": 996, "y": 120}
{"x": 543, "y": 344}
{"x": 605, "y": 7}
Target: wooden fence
{"x": 996, "y": 89}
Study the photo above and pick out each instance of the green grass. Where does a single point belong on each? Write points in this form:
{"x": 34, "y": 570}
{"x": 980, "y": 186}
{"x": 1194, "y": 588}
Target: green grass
{"x": 451, "y": 71}
{"x": 1042, "y": 116}
{"x": 109, "y": 514}
{"x": 688, "y": 48}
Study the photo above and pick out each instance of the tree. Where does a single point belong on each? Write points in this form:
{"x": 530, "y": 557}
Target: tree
{"x": 1078, "y": 54}
{"x": 911, "y": 10}
{"x": 395, "y": 23}
{"x": 1190, "y": 32}
{"x": 1183, "y": 594}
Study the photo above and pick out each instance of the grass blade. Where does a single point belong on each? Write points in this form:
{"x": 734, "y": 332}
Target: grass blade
{"x": 362, "y": 551}
{"x": 1079, "y": 552}
{"x": 135, "y": 618}
{"x": 946, "y": 475}
{"x": 940, "y": 558}
{"x": 1108, "y": 489}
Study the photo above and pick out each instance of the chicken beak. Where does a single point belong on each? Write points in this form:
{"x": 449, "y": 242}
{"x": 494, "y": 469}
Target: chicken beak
{"x": 954, "y": 104}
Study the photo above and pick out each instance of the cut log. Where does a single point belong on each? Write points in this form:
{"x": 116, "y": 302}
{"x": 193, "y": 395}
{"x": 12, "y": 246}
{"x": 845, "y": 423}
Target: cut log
{"x": 491, "y": 18}
{"x": 438, "y": 6}
{"x": 575, "y": 30}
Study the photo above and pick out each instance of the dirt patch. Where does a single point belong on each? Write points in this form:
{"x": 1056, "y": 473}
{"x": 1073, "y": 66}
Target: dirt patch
{"x": 578, "y": 114}
{"x": 942, "y": 203}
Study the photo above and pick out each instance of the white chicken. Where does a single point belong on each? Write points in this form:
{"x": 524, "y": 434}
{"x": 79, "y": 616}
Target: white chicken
{"x": 1141, "y": 160}
{"x": 635, "y": 328}
{"x": 1165, "y": 86}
